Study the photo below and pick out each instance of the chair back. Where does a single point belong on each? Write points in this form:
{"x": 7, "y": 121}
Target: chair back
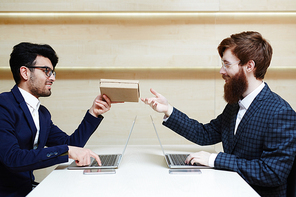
{"x": 291, "y": 182}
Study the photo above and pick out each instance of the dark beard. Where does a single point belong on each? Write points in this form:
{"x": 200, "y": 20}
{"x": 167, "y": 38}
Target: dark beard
{"x": 235, "y": 87}
{"x": 35, "y": 90}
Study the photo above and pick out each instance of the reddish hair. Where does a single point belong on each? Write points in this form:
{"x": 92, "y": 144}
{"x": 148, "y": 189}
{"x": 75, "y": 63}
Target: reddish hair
{"x": 248, "y": 46}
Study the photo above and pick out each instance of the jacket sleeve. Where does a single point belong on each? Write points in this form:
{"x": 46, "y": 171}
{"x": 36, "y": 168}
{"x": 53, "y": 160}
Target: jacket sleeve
{"x": 87, "y": 127}
{"x": 202, "y": 134}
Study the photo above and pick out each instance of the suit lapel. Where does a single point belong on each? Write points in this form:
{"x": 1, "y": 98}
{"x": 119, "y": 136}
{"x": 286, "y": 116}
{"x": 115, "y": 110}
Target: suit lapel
{"x": 257, "y": 102}
{"x": 42, "y": 132}
{"x": 244, "y": 122}
{"x": 24, "y": 107}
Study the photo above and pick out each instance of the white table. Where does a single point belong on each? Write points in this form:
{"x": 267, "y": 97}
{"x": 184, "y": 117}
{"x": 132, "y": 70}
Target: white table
{"x": 142, "y": 172}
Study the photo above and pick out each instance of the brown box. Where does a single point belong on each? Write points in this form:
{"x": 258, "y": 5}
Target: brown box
{"x": 120, "y": 90}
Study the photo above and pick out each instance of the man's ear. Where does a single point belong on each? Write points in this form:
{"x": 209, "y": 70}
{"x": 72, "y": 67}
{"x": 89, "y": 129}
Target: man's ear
{"x": 24, "y": 73}
{"x": 250, "y": 66}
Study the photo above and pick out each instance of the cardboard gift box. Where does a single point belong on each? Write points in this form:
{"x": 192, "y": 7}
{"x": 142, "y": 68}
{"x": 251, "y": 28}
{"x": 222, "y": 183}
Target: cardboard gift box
{"x": 120, "y": 90}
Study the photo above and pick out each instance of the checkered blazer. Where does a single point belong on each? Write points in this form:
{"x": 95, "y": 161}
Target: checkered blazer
{"x": 264, "y": 147}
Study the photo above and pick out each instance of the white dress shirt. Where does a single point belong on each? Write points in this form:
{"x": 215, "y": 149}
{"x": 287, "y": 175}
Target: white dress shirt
{"x": 33, "y": 104}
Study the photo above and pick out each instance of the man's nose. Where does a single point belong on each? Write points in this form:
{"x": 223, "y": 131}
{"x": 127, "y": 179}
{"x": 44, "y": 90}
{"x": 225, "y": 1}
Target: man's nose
{"x": 222, "y": 70}
{"x": 52, "y": 77}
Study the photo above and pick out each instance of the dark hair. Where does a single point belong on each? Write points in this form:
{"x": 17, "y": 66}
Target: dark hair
{"x": 248, "y": 46}
{"x": 25, "y": 53}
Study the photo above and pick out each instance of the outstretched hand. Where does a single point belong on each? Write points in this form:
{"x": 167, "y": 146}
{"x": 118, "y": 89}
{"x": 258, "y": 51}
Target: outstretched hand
{"x": 159, "y": 103}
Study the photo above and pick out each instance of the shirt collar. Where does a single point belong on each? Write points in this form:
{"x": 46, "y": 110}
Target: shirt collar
{"x": 30, "y": 99}
{"x": 246, "y": 102}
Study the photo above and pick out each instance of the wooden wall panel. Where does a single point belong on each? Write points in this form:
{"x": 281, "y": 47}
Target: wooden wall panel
{"x": 148, "y": 5}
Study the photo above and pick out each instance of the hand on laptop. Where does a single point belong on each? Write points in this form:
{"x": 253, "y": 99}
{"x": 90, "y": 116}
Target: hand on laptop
{"x": 201, "y": 157}
{"x": 82, "y": 155}
{"x": 159, "y": 103}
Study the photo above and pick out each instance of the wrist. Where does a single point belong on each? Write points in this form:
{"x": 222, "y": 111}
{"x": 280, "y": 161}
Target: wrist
{"x": 212, "y": 159}
{"x": 169, "y": 111}
{"x": 93, "y": 114}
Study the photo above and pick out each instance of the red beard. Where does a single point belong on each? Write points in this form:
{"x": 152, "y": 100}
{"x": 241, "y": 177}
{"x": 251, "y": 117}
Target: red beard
{"x": 235, "y": 87}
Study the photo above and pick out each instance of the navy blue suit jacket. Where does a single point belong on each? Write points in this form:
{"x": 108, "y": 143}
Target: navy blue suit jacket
{"x": 264, "y": 147}
{"x": 18, "y": 159}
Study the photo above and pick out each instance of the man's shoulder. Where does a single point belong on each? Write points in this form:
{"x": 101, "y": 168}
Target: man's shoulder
{"x": 9, "y": 94}
{"x": 274, "y": 103}
{"x": 11, "y": 99}
{"x": 276, "y": 99}
{"x": 6, "y": 97}
{"x": 272, "y": 98}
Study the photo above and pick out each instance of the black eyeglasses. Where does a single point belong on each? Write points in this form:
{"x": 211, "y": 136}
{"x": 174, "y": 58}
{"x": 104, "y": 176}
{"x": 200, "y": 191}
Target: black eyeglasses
{"x": 48, "y": 71}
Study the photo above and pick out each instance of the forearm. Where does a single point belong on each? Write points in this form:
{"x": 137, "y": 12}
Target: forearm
{"x": 191, "y": 129}
{"x": 26, "y": 160}
{"x": 81, "y": 135}
{"x": 87, "y": 127}
{"x": 259, "y": 172}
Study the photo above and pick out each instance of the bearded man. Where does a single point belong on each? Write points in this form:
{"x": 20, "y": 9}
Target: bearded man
{"x": 257, "y": 127}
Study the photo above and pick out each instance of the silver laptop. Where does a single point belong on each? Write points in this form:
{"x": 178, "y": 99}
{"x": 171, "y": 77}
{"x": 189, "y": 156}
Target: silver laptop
{"x": 176, "y": 161}
{"x": 110, "y": 161}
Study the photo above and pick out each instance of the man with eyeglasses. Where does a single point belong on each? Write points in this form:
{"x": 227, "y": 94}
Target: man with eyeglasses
{"x": 28, "y": 138}
{"x": 257, "y": 127}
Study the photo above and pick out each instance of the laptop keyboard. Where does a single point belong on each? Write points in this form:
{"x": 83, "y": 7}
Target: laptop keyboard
{"x": 107, "y": 160}
{"x": 179, "y": 159}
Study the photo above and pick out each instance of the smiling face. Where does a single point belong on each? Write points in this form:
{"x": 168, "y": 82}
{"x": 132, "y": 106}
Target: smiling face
{"x": 235, "y": 78}
{"x": 231, "y": 65}
{"x": 38, "y": 83}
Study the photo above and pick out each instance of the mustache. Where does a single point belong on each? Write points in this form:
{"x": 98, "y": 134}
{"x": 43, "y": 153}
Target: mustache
{"x": 225, "y": 77}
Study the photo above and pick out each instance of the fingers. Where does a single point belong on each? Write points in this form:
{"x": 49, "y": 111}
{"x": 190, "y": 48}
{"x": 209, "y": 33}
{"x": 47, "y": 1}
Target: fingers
{"x": 104, "y": 106}
{"x": 192, "y": 159}
{"x": 154, "y": 92}
{"x": 201, "y": 157}
{"x": 149, "y": 100}
{"x": 107, "y": 99}
{"x": 188, "y": 159}
{"x": 94, "y": 155}
{"x": 82, "y": 156}
{"x": 101, "y": 105}
{"x": 83, "y": 161}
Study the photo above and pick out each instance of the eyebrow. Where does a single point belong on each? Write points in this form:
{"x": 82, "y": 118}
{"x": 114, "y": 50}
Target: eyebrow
{"x": 225, "y": 61}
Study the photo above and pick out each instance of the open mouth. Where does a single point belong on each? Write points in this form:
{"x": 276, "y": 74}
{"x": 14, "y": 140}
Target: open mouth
{"x": 48, "y": 84}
